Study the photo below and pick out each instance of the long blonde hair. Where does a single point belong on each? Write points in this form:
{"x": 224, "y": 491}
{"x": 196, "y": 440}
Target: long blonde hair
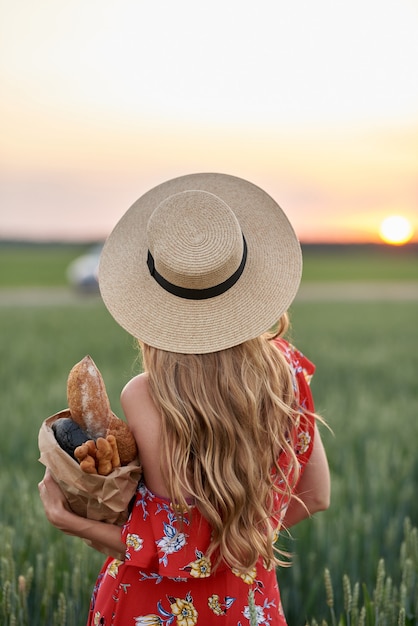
{"x": 226, "y": 417}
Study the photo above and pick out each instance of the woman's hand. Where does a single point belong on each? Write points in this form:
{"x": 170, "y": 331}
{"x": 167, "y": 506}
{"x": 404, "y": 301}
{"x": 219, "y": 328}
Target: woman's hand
{"x": 55, "y": 503}
{"x": 103, "y": 537}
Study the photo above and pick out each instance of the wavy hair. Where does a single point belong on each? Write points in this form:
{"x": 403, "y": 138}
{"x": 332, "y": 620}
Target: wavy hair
{"x": 226, "y": 417}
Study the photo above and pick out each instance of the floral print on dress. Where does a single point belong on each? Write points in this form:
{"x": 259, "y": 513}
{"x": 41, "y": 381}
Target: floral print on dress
{"x": 303, "y": 442}
{"x": 201, "y": 567}
{"x": 263, "y": 616}
{"x": 181, "y": 609}
{"x": 142, "y": 499}
{"x": 184, "y": 610}
{"x": 218, "y": 606}
{"x": 248, "y": 577}
{"x": 173, "y": 541}
{"x": 134, "y": 541}
{"x": 148, "y": 620}
{"x": 113, "y": 568}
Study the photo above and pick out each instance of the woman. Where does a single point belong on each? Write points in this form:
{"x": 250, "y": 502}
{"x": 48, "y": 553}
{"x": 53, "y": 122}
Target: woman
{"x": 198, "y": 270}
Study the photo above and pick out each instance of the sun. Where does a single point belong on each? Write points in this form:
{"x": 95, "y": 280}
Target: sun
{"x": 396, "y": 230}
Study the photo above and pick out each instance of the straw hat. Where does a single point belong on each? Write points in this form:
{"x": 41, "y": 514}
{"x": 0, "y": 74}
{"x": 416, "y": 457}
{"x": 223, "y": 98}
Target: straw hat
{"x": 200, "y": 263}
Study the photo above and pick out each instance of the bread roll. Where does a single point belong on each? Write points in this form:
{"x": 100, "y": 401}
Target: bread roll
{"x": 124, "y": 438}
{"x": 68, "y": 434}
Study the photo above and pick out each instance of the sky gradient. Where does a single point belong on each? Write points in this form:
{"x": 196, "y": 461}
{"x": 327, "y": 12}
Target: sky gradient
{"x": 315, "y": 102}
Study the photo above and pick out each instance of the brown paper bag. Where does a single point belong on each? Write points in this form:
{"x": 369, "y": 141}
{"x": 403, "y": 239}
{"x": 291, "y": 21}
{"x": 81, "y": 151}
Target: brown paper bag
{"x": 103, "y": 498}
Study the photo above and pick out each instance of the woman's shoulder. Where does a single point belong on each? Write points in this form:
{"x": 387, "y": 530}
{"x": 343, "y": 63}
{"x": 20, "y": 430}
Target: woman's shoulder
{"x": 137, "y": 384}
{"x": 136, "y": 401}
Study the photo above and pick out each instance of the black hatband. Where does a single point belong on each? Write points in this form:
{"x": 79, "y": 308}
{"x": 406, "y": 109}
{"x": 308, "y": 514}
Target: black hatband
{"x": 198, "y": 294}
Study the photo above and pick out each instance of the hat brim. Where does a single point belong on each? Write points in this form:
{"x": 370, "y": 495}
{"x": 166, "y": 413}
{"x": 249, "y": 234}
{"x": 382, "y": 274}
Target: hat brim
{"x": 264, "y": 291}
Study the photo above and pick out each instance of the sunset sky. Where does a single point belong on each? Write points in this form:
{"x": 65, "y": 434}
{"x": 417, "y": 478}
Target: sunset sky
{"x": 316, "y": 102}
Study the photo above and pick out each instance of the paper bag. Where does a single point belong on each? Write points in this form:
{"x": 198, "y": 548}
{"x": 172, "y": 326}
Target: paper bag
{"x": 103, "y": 498}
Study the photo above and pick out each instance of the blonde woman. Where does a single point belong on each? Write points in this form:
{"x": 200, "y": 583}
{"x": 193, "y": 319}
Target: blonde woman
{"x": 199, "y": 270}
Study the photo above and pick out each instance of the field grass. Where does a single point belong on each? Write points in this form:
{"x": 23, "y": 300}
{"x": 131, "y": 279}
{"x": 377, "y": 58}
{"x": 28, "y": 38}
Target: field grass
{"x": 360, "y": 263}
{"x": 365, "y": 387}
{"x": 31, "y": 265}
{"x": 46, "y": 265}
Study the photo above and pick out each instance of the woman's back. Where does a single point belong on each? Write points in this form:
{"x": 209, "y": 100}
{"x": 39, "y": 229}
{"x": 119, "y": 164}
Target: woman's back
{"x": 144, "y": 420}
{"x": 226, "y": 417}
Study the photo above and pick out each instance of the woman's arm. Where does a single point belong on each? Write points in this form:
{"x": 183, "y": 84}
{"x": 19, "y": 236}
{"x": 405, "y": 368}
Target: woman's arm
{"x": 102, "y": 536}
{"x": 314, "y": 488}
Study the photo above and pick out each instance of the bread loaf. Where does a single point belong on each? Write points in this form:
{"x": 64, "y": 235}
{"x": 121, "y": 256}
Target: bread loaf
{"x": 87, "y": 398}
{"x": 89, "y": 406}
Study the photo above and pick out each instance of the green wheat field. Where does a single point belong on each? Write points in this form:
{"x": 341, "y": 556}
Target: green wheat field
{"x": 357, "y": 563}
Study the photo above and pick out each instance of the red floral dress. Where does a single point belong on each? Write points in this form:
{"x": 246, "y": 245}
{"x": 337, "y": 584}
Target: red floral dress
{"x": 166, "y": 579}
